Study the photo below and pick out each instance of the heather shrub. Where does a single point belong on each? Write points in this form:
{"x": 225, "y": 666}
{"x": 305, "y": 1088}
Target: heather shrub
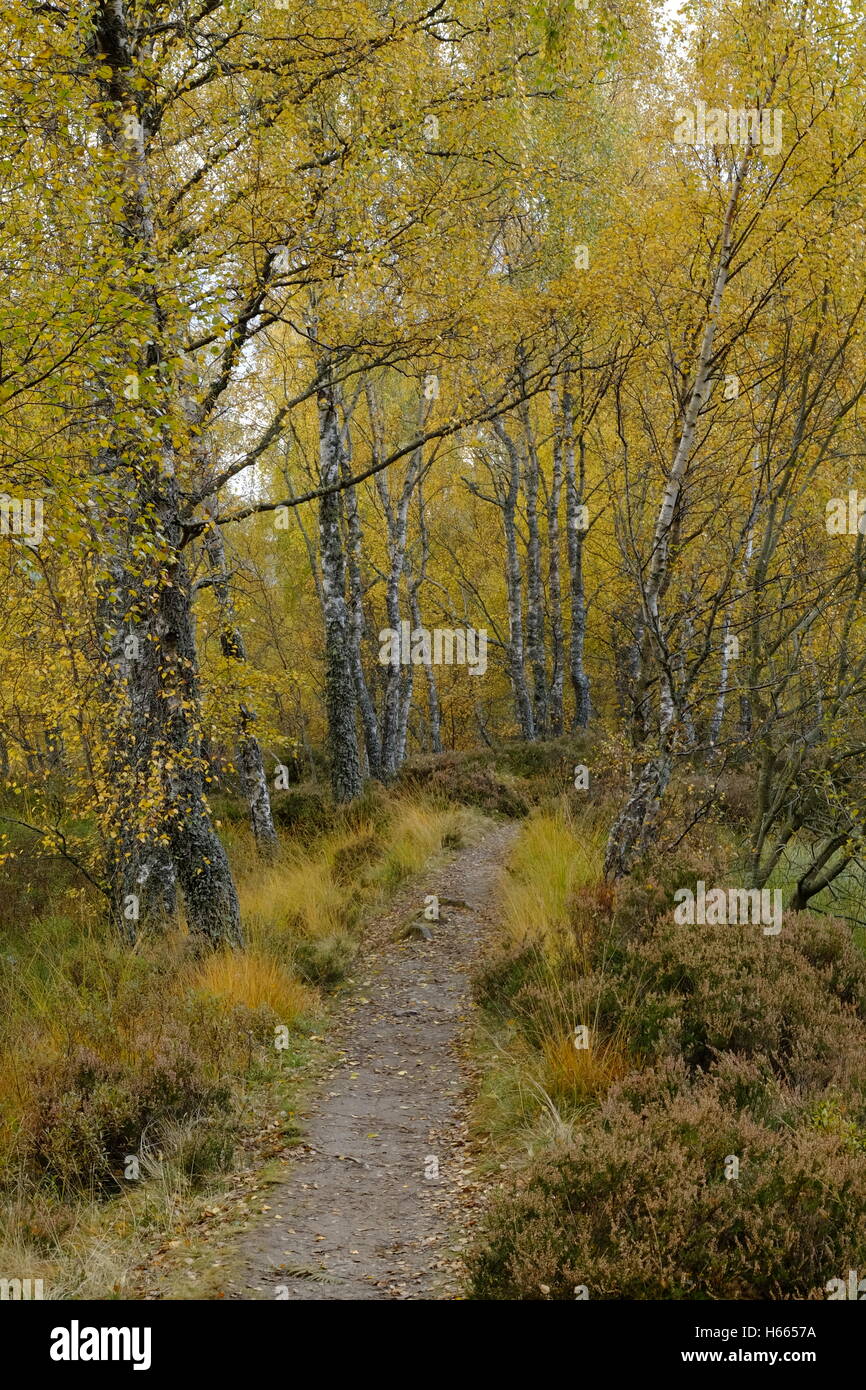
{"x": 826, "y": 943}
{"x": 417, "y": 770}
{"x": 325, "y": 960}
{"x": 552, "y": 760}
{"x": 479, "y": 787}
{"x": 304, "y": 811}
{"x": 641, "y": 1207}
{"x": 705, "y": 1043}
{"x": 532, "y": 760}
{"x": 86, "y": 1114}
{"x": 702, "y": 991}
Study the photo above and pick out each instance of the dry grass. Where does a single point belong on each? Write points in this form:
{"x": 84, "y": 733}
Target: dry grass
{"x": 256, "y": 981}
{"x": 292, "y": 896}
{"x": 418, "y": 831}
{"x": 552, "y": 864}
{"x": 573, "y": 1075}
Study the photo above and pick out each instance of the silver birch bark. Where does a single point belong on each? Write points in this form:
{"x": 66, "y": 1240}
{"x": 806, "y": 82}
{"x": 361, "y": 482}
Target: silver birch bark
{"x": 514, "y": 586}
{"x": 340, "y": 695}
{"x": 575, "y": 481}
{"x": 398, "y": 679}
{"x": 721, "y": 695}
{"x": 434, "y": 711}
{"x": 251, "y": 764}
{"x": 534, "y": 585}
{"x": 554, "y": 578}
{"x": 354, "y": 550}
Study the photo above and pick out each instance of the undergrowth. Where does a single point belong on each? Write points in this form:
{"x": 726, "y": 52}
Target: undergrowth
{"x": 680, "y": 1111}
{"x": 128, "y": 1078}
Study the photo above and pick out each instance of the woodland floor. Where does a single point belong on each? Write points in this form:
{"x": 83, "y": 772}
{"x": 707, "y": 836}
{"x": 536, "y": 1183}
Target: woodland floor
{"x": 356, "y": 1217}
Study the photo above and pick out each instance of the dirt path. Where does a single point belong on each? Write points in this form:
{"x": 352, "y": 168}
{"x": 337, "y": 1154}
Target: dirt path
{"x": 362, "y": 1214}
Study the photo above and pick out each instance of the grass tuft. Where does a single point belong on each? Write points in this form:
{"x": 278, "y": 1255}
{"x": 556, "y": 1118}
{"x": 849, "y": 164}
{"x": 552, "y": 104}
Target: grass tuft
{"x": 256, "y": 981}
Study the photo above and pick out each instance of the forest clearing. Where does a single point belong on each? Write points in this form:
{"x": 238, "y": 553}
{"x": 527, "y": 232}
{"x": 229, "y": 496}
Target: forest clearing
{"x": 432, "y": 656}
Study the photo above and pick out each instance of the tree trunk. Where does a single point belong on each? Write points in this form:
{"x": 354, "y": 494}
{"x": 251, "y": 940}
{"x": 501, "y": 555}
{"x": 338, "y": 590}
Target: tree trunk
{"x": 721, "y": 696}
{"x": 346, "y": 779}
{"x": 201, "y": 863}
{"x": 354, "y": 547}
{"x": 821, "y": 872}
{"x": 156, "y": 770}
{"x": 514, "y": 584}
{"x": 250, "y": 761}
{"x": 631, "y": 831}
{"x": 398, "y": 678}
{"x": 534, "y": 585}
{"x": 574, "y": 490}
{"x": 554, "y": 581}
{"x": 434, "y": 712}
{"x": 140, "y": 870}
